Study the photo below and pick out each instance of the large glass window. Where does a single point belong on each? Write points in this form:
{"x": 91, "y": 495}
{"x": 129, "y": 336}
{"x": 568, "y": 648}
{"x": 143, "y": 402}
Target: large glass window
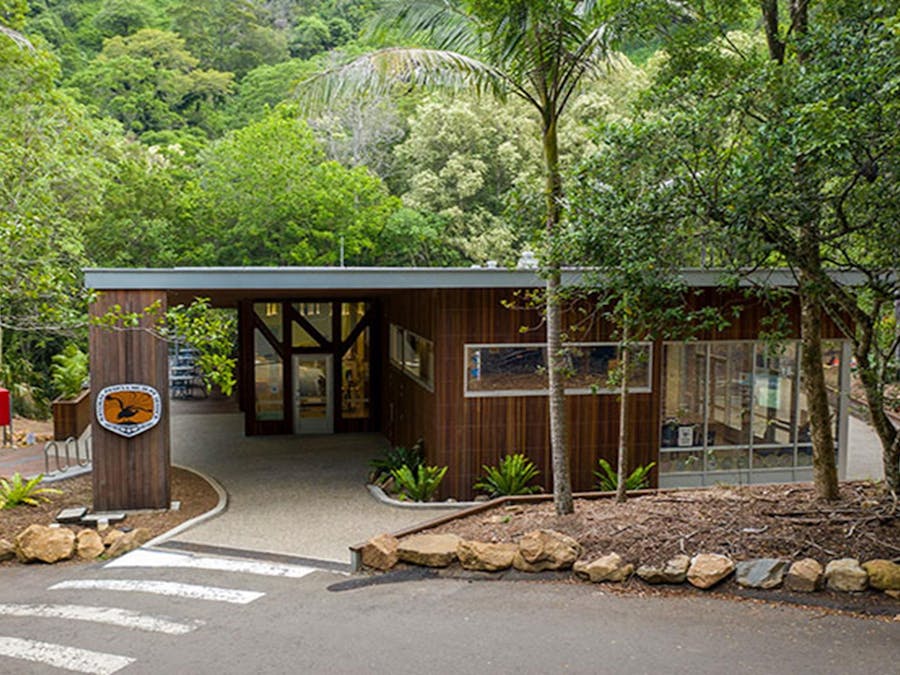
{"x": 269, "y": 379}
{"x": 736, "y": 411}
{"x": 355, "y": 385}
{"x": 270, "y": 314}
{"x": 521, "y": 370}
{"x": 318, "y": 314}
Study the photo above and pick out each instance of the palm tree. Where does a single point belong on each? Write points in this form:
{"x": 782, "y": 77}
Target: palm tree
{"x": 537, "y": 50}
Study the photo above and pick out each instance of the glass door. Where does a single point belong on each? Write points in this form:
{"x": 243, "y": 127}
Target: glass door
{"x": 313, "y": 412}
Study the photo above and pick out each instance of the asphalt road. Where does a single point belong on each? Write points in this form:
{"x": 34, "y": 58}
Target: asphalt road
{"x": 246, "y": 622}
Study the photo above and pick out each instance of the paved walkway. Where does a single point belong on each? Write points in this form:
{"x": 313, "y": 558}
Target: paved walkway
{"x": 300, "y": 496}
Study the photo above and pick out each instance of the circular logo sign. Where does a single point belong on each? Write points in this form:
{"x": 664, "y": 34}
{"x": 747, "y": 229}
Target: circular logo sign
{"x": 128, "y": 409}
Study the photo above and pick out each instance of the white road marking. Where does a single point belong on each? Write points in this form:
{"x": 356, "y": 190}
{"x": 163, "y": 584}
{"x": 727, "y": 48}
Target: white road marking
{"x": 61, "y": 656}
{"x": 191, "y": 591}
{"x": 112, "y": 616}
{"x": 153, "y": 558}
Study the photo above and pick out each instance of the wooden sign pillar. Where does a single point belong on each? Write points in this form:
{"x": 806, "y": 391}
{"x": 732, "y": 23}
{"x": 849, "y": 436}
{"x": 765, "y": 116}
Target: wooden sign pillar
{"x": 130, "y": 473}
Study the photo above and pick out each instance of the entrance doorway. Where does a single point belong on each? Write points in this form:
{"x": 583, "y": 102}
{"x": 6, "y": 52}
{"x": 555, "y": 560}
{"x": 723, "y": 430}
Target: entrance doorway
{"x": 313, "y": 412}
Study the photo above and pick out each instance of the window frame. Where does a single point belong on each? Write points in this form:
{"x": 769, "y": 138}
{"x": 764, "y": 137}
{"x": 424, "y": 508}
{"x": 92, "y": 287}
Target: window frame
{"x": 569, "y": 391}
{"x": 397, "y": 336}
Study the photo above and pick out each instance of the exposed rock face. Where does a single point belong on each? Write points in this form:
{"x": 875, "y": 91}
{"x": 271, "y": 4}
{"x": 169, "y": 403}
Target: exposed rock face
{"x": 761, "y": 573}
{"x": 128, "y": 542}
{"x": 430, "y": 550}
{"x": 804, "y": 576}
{"x": 88, "y": 544}
{"x": 846, "y": 575}
{"x": 546, "y": 550}
{"x": 606, "y": 568}
{"x": 883, "y": 574}
{"x": 476, "y": 555}
{"x": 7, "y": 550}
{"x": 45, "y": 544}
{"x": 673, "y": 572}
{"x": 380, "y": 552}
{"x": 708, "y": 569}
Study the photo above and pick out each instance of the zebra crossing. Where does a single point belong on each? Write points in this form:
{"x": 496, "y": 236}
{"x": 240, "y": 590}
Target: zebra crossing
{"x": 109, "y": 587}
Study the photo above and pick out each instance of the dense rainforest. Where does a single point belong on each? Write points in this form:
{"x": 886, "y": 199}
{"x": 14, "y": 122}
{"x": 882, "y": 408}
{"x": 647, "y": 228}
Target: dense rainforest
{"x": 637, "y": 135}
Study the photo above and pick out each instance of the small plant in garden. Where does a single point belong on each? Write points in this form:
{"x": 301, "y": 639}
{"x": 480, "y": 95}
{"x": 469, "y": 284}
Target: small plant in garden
{"x": 608, "y": 479}
{"x": 510, "y": 477}
{"x": 396, "y": 458}
{"x": 19, "y": 491}
{"x": 69, "y": 371}
{"x": 419, "y": 484}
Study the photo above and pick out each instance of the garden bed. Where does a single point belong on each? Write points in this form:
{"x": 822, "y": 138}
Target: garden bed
{"x": 784, "y": 521}
{"x": 195, "y": 495}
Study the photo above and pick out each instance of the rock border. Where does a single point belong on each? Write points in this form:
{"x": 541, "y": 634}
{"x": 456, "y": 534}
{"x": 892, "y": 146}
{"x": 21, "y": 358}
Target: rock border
{"x": 542, "y": 550}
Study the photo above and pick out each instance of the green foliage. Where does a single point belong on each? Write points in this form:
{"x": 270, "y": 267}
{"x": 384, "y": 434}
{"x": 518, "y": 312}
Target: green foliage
{"x": 608, "y": 479}
{"x": 510, "y": 477}
{"x": 395, "y": 458}
{"x": 18, "y": 491}
{"x": 213, "y": 333}
{"x": 421, "y": 485}
{"x": 69, "y": 371}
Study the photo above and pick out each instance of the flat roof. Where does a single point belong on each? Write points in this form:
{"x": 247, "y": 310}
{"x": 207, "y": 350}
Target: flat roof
{"x": 375, "y": 278}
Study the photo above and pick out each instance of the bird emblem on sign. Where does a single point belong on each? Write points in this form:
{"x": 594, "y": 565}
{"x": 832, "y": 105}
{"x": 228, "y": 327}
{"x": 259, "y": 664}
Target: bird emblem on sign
{"x": 128, "y": 409}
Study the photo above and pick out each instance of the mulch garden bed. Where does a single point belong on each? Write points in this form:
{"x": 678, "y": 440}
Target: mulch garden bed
{"x": 742, "y": 522}
{"x": 195, "y": 494}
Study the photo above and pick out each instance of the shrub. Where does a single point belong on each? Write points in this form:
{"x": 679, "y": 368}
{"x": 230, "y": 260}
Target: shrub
{"x": 421, "y": 485}
{"x": 395, "y": 458}
{"x": 69, "y": 371}
{"x": 17, "y": 491}
{"x": 509, "y": 477}
{"x": 608, "y": 479}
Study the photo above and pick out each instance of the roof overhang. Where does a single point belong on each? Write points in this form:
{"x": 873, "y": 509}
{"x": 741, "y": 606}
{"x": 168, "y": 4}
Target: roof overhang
{"x": 250, "y": 279}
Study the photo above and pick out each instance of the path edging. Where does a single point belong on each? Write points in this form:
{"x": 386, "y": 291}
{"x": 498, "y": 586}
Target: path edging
{"x": 381, "y": 496}
{"x": 196, "y": 520}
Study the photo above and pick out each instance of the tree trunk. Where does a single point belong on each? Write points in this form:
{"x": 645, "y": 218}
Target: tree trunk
{"x": 824, "y": 467}
{"x": 559, "y": 451}
{"x": 623, "y": 415}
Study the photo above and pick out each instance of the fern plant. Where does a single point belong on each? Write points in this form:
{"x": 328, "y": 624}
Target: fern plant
{"x": 69, "y": 371}
{"x": 510, "y": 477}
{"x": 421, "y": 485}
{"x": 18, "y": 491}
{"x": 396, "y": 458}
{"x": 608, "y": 479}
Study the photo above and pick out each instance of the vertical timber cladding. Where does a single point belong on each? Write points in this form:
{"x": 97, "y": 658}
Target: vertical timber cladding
{"x": 130, "y": 473}
{"x": 477, "y": 431}
{"x": 408, "y": 410}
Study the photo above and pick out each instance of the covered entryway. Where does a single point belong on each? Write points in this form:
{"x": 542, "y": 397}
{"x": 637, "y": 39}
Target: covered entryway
{"x": 298, "y": 496}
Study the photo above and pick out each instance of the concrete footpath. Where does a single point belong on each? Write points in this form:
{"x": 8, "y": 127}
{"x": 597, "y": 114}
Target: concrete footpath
{"x": 292, "y": 495}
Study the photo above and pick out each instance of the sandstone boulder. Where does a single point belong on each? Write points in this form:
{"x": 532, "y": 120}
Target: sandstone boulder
{"x": 7, "y": 550}
{"x": 430, "y": 550}
{"x": 45, "y": 544}
{"x": 380, "y": 552}
{"x": 708, "y": 569}
{"x": 111, "y": 536}
{"x": 476, "y": 555}
{"x": 804, "y": 576}
{"x": 846, "y": 575}
{"x": 883, "y": 574}
{"x": 546, "y": 550}
{"x": 89, "y": 545}
{"x": 673, "y": 572}
{"x": 128, "y": 542}
{"x": 761, "y": 572}
{"x": 606, "y": 568}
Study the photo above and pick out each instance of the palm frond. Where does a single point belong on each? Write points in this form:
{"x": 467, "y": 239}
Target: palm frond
{"x": 16, "y": 37}
{"x": 396, "y": 69}
{"x": 441, "y": 24}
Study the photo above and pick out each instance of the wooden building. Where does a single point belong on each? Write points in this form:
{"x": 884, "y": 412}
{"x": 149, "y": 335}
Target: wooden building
{"x": 450, "y": 356}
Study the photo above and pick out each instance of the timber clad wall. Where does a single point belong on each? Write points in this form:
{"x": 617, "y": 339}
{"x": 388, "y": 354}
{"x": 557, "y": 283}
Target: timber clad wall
{"x": 130, "y": 473}
{"x": 408, "y": 410}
